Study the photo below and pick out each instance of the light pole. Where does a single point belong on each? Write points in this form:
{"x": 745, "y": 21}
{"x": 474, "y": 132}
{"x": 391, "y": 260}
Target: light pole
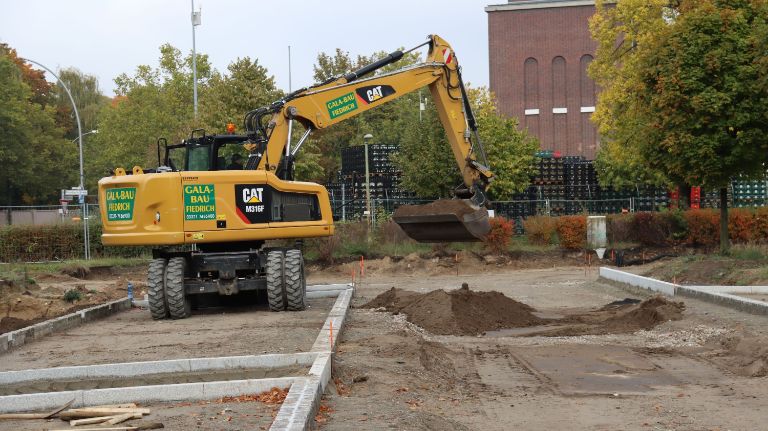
{"x": 195, "y": 22}
{"x": 88, "y": 133}
{"x": 86, "y": 244}
{"x": 367, "y": 139}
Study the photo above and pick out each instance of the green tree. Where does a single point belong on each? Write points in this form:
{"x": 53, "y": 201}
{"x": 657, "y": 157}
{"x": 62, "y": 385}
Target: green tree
{"x": 153, "y": 102}
{"x": 34, "y": 155}
{"x": 380, "y": 122}
{"x": 88, "y": 98}
{"x": 687, "y": 98}
{"x": 227, "y": 97}
{"x": 429, "y": 168}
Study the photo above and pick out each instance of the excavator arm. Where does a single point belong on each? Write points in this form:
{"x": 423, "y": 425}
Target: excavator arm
{"x": 342, "y": 98}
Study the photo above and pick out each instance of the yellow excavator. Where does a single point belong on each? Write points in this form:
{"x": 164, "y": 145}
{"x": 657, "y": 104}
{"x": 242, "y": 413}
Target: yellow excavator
{"x": 214, "y": 200}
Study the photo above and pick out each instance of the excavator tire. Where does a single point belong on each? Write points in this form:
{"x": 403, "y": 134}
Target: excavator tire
{"x": 275, "y": 280}
{"x": 179, "y": 306}
{"x": 295, "y": 283}
{"x": 156, "y": 289}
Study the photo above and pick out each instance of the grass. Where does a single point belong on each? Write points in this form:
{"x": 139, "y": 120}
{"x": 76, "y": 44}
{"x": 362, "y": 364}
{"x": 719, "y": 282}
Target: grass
{"x": 17, "y": 272}
{"x": 521, "y": 244}
{"x": 752, "y": 252}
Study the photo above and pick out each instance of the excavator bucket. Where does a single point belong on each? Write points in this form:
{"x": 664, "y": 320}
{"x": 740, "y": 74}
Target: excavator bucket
{"x": 445, "y": 220}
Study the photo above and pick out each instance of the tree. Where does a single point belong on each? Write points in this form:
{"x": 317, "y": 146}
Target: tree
{"x": 151, "y": 103}
{"x": 381, "y": 122}
{"x": 34, "y": 155}
{"x": 227, "y": 97}
{"x": 429, "y": 168}
{"x": 686, "y": 98}
{"x": 88, "y": 98}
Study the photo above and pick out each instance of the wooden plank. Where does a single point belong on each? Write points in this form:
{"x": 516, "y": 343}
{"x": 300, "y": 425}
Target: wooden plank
{"x": 36, "y": 415}
{"x": 122, "y": 418}
{"x": 90, "y": 412}
{"x": 90, "y": 421}
{"x": 114, "y": 406}
{"x": 101, "y": 429}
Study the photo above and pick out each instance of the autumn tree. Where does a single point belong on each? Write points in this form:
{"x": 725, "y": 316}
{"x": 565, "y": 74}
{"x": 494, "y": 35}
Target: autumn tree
{"x": 684, "y": 96}
{"x": 36, "y": 160}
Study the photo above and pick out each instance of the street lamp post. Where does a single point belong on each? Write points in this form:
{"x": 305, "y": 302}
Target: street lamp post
{"x": 86, "y": 244}
{"x": 366, "y": 140}
{"x": 195, "y": 22}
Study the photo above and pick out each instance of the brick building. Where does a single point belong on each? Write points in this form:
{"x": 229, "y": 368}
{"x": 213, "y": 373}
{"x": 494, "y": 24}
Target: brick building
{"x": 539, "y": 51}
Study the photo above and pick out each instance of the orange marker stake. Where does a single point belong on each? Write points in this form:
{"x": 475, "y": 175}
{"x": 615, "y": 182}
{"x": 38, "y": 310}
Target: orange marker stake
{"x": 330, "y": 335}
{"x": 362, "y": 266}
{"x": 456, "y": 258}
{"x": 353, "y": 276}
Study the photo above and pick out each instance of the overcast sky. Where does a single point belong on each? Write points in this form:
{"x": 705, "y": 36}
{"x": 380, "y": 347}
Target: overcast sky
{"x": 107, "y": 37}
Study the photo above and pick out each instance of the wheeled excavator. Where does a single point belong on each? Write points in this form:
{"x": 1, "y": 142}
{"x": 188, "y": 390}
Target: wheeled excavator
{"x": 214, "y": 200}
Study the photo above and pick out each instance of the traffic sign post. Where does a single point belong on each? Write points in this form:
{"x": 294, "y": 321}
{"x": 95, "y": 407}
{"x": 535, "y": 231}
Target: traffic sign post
{"x": 81, "y": 193}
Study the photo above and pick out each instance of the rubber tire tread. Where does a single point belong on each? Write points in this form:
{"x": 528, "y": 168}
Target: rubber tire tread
{"x": 156, "y": 289}
{"x": 295, "y": 283}
{"x": 179, "y": 305}
{"x": 275, "y": 280}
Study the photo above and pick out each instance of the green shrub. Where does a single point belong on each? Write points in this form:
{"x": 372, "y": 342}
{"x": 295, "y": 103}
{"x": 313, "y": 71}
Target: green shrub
{"x": 72, "y": 295}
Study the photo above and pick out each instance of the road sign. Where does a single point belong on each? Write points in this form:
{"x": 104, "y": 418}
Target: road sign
{"x": 76, "y": 192}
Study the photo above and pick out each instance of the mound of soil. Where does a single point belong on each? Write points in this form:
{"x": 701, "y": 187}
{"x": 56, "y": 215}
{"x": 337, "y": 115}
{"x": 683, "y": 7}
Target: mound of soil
{"x": 620, "y": 317}
{"x": 457, "y": 312}
{"x": 746, "y": 356}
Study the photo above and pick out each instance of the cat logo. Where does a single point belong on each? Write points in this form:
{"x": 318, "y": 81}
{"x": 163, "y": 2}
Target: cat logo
{"x": 253, "y": 203}
{"x": 371, "y": 93}
{"x": 253, "y": 196}
{"x": 374, "y": 93}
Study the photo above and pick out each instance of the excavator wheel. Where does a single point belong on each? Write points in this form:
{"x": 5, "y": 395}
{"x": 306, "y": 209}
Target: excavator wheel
{"x": 295, "y": 282}
{"x": 275, "y": 280}
{"x": 179, "y": 305}
{"x": 156, "y": 289}
{"x": 444, "y": 220}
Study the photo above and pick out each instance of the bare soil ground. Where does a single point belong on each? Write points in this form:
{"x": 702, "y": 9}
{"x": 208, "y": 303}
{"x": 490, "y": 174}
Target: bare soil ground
{"x": 710, "y": 270}
{"x": 42, "y": 297}
{"x": 705, "y": 371}
{"x": 681, "y": 375}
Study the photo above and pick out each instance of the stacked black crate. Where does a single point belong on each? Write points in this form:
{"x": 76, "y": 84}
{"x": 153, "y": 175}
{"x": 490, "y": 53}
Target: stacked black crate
{"x": 383, "y": 174}
{"x": 650, "y": 198}
{"x": 748, "y": 193}
{"x": 550, "y": 184}
{"x": 580, "y": 183}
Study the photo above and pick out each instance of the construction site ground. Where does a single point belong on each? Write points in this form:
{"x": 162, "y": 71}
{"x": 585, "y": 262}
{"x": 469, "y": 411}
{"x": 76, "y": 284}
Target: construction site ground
{"x": 391, "y": 374}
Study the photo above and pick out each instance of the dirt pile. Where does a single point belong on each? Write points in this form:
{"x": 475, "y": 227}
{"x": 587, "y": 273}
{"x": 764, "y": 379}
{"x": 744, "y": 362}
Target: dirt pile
{"x": 457, "y": 312}
{"x": 744, "y": 355}
{"x": 620, "y": 317}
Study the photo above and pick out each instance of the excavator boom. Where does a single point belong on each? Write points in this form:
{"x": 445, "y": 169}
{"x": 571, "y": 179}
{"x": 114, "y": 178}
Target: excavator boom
{"x": 344, "y": 97}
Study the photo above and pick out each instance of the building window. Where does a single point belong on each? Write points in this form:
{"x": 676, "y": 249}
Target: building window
{"x": 531, "y": 82}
